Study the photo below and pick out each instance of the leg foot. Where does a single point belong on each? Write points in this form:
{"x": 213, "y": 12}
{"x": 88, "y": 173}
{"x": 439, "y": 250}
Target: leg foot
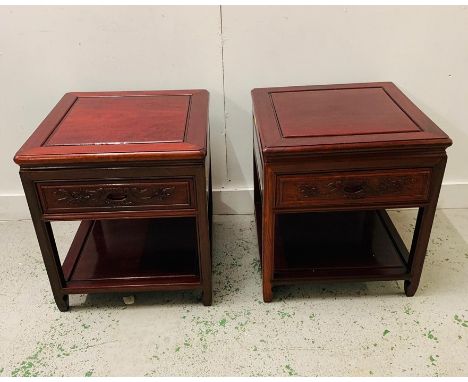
{"x": 267, "y": 293}
{"x": 62, "y": 303}
{"x": 410, "y": 288}
{"x": 207, "y": 297}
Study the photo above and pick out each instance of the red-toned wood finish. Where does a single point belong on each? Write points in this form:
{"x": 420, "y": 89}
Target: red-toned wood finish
{"x": 126, "y": 119}
{"x": 315, "y": 113}
{"x": 150, "y": 251}
{"x": 339, "y": 118}
{"x": 328, "y": 161}
{"x": 69, "y": 197}
{"x": 353, "y": 188}
{"x": 109, "y": 126}
{"x": 134, "y": 167}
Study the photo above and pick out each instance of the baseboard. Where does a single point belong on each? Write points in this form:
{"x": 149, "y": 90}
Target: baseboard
{"x": 14, "y": 207}
{"x": 453, "y": 195}
{"x": 233, "y": 201}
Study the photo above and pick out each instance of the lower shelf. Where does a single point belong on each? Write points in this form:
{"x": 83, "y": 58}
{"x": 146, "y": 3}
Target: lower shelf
{"x": 133, "y": 255}
{"x": 358, "y": 245}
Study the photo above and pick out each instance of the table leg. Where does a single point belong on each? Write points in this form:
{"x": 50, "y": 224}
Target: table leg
{"x": 422, "y": 232}
{"x": 268, "y": 235}
{"x": 45, "y": 237}
{"x": 204, "y": 245}
{"x": 257, "y": 207}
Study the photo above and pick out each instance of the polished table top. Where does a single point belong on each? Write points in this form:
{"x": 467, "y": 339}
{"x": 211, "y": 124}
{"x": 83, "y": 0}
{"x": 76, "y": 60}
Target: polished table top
{"x": 121, "y": 126}
{"x": 341, "y": 117}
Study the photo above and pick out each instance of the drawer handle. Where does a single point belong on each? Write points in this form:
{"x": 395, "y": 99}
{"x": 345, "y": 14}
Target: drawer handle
{"x": 115, "y": 197}
{"x": 353, "y": 189}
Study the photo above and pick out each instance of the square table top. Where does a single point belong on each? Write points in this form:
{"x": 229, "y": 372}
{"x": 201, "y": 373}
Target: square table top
{"x": 121, "y": 126}
{"x": 364, "y": 116}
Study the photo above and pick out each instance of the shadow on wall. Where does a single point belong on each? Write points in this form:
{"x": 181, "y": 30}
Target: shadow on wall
{"x": 239, "y": 144}
{"x": 234, "y": 194}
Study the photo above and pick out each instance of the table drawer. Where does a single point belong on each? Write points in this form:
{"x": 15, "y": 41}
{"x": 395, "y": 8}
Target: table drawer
{"x": 60, "y": 197}
{"x": 351, "y": 188}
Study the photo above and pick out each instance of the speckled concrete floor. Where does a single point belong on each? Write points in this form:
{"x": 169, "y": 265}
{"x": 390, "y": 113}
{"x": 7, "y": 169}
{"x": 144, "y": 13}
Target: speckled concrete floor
{"x": 354, "y": 329}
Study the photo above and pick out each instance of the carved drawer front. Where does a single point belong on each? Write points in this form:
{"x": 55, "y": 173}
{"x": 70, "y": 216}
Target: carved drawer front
{"x": 350, "y": 188}
{"x": 80, "y": 197}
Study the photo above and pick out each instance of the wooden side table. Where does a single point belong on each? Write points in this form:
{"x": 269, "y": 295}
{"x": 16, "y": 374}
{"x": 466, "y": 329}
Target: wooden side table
{"x": 133, "y": 167}
{"x": 328, "y": 161}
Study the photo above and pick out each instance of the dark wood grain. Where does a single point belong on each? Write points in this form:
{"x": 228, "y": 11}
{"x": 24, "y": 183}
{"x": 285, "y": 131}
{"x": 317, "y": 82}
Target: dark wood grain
{"x": 134, "y": 167}
{"x": 328, "y": 160}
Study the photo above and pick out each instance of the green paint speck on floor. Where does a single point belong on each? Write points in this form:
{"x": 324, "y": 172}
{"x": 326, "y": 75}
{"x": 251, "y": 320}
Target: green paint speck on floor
{"x": 285, "y": 314}
{"x": 408, "y": 310}
{"x": 89, "y": 373}
{"x": 431, "y": 335}
{"x": 239, "y": 334}
{"x": 27, "y": 368}
{"x": 290, "y": 370}
{"x": 461, "y": 321}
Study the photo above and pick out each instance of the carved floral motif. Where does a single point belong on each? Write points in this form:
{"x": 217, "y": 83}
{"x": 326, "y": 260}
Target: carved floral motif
{"x": 308, "y": 190}
{"x": 113, "y": 195}
{"x": 356, "y": 189}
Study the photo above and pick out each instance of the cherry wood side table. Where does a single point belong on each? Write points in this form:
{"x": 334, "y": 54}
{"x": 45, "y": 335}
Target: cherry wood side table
{"x": 328, "y": 161}
{"x": 133, "y": 167}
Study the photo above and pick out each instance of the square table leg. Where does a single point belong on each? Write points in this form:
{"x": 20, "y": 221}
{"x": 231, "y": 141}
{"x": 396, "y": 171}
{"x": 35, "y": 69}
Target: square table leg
{"x": 203, "y": 228}
{"x": 47, "y": 246}
{"x": 422, "y": 231}
{"x": 268, "y": 234}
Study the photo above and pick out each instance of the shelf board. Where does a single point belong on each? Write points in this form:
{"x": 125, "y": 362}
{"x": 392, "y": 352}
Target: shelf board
{"x": 132, "y": 255}
{"x": 359, "y": 245}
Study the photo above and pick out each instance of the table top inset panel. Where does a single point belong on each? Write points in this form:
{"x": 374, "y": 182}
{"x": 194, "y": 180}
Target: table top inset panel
{"x": 339, "y": 112}
{"x": 123, "y": 126}
{"x": 123, "y": 120}
{"x": 301, "y": 120}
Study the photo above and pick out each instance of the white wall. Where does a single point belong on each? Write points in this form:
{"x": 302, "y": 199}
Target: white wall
{"x": 47, "y": 51}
